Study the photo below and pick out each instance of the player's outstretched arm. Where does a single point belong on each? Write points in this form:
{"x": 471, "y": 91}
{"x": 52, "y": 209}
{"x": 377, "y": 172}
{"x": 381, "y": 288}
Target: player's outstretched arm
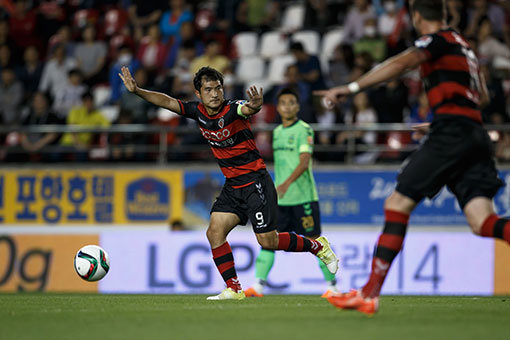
{"x": 391, "y": 68}
{"x": 255, "y": 101}
{"x": 156, "y": 98}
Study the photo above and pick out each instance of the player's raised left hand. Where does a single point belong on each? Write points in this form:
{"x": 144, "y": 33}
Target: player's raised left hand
{"x": 332, "y": 96}
{"x": 255, "y": 97}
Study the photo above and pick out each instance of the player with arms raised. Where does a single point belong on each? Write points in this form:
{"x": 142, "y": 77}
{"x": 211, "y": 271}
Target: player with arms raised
{"x": 249, "y": 192}
{"x": 457, "y": 151}
{"x": 298, "y": 206}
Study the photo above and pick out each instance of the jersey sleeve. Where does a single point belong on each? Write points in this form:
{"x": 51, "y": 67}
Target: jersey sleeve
{"x": 189, "y": 109}
{"x": 433, "y": 45}
{"x": 305, "y": 140}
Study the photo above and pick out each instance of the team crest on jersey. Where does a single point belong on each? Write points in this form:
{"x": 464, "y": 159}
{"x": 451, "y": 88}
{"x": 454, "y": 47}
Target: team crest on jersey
{"x": 221, "y": 123}
{"x": 423, "y": 41}
{"x": 291, "y": 139}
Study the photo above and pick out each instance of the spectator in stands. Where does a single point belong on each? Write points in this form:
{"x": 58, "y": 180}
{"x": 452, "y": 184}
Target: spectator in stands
{"x": 91, "y": 57}
{"x": 340, "y": 65}
{"x": 185, "y": 56}
{"x": 63, "y": 36}
{"x": 152, "y": 51}
{"x": 421, "y": 111}
{"x": 382, "y": 7}
{"x": 124, "y": 58}
{"x": 356, "y": 17}
{"x": 11, "y": 96}
{"x": 231, "y": 18}
{"x": 122, "y": 144}
{"x": 84, "y": 115}
{"x": 363, "y": 115}
{"x": 318, "y": 16}
{"x": 6, "y": 59}
{"x": 309, "y": 66}
{"x": 457, "y": 15}
{"x": 143, "y": 13}
{"x": 55, "y": 73}
{"x": 488, "y": 46}
{"x": 497, "y": 102}
{"x": 211, "y": 58}
{"x": 5, "y": 37}
{"x": 138, "y": 108}
{"x": 482, "y": 9}
{"x": 30, "y": 72}
{"x": 390, "y": 101}
{"x": 262, "y": 15}
{"x": 172, "y": 19}
{"x": 71, "y": 95}
{"x": 39, "y": 114}
{"x": 187, "y": 34}
{"x": 301, "y": 87}
{"x": 371, "y": 41}
{"x": 393, "y": 25}
{"x": 51, "y": 15}
{"x": 22, "y": 25}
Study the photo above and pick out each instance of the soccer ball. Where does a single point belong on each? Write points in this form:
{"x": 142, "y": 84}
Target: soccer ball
{"x": 91, "y": 263}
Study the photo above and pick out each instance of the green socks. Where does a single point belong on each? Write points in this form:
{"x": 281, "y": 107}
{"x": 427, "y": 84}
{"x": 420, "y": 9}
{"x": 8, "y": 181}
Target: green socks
{"x": 327, "y": 275}
{"x": 264, "y": 263}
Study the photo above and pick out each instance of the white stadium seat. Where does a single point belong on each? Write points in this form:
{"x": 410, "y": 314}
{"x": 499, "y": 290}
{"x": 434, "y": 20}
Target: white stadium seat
{"x": 246, "y": 43}
{"x": 309, "y": 39}
{"x": 263, "y": 83}
{"x": 278, "y": 66}
{"x": 273, "y": 43}
{"x": 101, "y": 95}
{"x": 330, "y": 41}
{"x": 249, "y": 68}
{"x": 293, "y": 17}
{"x": 110, "y": 112}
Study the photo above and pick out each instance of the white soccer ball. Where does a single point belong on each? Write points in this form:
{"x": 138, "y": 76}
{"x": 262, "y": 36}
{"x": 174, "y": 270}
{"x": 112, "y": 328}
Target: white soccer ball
{"x": 91, "y": 263}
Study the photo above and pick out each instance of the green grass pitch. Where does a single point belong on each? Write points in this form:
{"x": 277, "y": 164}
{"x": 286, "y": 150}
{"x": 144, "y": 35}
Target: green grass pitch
{"x": 147, "y": 317}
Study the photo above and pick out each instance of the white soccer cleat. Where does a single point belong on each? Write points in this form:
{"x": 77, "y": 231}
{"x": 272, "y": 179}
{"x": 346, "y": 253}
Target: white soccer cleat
{"x": 327, "y": 255}
{"x": 228, "y": 294}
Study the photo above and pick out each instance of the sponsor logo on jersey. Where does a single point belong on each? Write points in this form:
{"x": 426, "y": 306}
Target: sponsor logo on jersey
{"x": 423, "y": 41}
{"x": 215, "y": 135}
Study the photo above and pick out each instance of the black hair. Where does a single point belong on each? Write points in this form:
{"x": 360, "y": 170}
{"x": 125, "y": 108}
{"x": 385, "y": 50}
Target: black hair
{"x": 297, "y": 46}
{"x": 86, "y": 95}
{"x": 287, "y": 90}
{"x": 75, "y": 71}
{"x": 433, "y": 10}
{"x": 207, "y": 73}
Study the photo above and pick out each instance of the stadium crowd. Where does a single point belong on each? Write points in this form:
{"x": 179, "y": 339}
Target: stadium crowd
{"x": 60, "y": 59}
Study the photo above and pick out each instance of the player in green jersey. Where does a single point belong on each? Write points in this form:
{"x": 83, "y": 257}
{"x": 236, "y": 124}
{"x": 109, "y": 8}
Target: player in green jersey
{"x": 298, "y": 207}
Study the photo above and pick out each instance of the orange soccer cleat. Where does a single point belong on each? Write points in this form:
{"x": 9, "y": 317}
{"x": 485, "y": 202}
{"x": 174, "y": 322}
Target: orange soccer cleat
{"x": 354, "y": 300}
{"x": 251, "y": 292}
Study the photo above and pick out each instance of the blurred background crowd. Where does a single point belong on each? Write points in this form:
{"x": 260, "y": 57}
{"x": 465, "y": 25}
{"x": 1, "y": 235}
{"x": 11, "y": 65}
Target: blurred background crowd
{"x": 60, "y": 59}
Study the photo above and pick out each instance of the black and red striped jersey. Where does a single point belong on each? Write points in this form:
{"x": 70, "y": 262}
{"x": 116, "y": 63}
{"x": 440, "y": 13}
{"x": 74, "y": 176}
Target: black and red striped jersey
{"x": 231, "y": 140}
{"x": 450, "y": 75}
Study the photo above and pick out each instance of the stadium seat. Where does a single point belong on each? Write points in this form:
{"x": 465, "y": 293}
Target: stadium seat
{"x": 293, "y": 17}
{"x": 85, "y": 17}
{"x": 250, "y": 68}
{"x": 263, "y": 83}
{"x": 245, "y": 44}
{"x": 278, "y": 66}
{"x": 114, "y": 21}
{"x": 273, "y": 43}
{"x": 110, "y": 112}
{"x": 101, "y": 95}
{"x": 309, "y": 39}
{"x": 329, "y": 42}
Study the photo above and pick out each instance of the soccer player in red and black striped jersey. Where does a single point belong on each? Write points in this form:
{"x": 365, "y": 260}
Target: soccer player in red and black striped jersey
{"x": 457, "y": 151}
{"x": 249, "y": 192}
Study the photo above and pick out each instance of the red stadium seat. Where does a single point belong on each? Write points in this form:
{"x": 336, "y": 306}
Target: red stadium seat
{"x": 114, "y": 21}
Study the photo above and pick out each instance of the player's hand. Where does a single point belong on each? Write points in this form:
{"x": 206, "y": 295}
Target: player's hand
{"x": 128, "y": 79}
{"x": 420, "y": 130}
{"x": 332, "y": 96}
{"x": 282, "y": 189}
{"x": 255, "y": 97}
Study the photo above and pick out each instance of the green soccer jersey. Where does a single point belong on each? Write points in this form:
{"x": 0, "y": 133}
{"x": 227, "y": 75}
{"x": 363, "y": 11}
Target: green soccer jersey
{"x": 288, "y": 143}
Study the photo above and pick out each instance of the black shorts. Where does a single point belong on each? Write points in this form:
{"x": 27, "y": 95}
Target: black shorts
{"x": 257, "y": 202}
{"x": 457, "y": 153}
{"x": 304, "y": 219}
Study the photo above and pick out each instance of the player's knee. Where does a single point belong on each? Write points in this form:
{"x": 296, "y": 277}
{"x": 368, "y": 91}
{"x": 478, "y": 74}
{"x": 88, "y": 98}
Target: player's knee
{"x": 268, "y": 241}
{"x": 398, "y": 202}
{"x": 213, "y": 233}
